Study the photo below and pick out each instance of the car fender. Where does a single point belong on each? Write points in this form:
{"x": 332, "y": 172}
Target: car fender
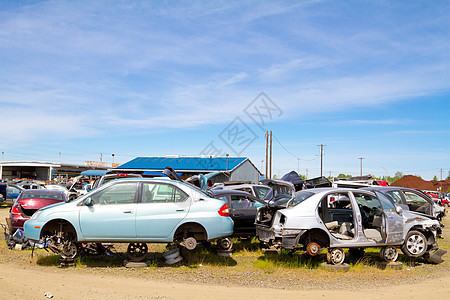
{"x": 52, "y": 225}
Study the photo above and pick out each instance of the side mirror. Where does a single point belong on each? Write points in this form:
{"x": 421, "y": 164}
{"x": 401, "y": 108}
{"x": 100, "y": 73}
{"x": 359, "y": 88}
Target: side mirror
{"x": 399, "y": 210}
{"x": 88, "y": 202}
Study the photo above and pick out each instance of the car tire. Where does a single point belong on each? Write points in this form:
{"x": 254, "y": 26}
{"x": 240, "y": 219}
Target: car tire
{"x": 415, "y": 244}
{"x": 225, "y": 244}
{"x": 389, "y": 254}
{"x": 336, "y": 256}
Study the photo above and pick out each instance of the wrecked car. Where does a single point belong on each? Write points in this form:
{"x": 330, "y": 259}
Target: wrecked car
{"x": 242, "y": 207}
{"x": 279, "y": 189}
{"x": 29, "y": 201}
{"x": 135, "y": 211}
{"x": 257, "y": 190}
{"x": 411, "y": 199}
{"x": 346, "y": 218}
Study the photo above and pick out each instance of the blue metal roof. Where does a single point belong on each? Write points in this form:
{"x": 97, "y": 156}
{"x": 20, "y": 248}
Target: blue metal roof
{"x": 94, "y": 172}
{"x": 184, "y": 163}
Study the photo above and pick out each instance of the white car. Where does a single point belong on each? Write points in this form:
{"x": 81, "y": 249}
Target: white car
{"x": 55, "y": 187}
{"x": 337, "y": 218}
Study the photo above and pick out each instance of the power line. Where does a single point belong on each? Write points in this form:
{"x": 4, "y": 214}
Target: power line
{"x": 291, "y": 152}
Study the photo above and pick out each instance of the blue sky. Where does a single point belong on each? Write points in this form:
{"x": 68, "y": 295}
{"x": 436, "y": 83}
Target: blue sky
{"x": 144, "y": 78}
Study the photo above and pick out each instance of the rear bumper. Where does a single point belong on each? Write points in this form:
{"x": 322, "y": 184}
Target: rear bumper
{"x": 265, "y": 234}
{"x": 17, "y": 222}
{"x": 286, "y": 238}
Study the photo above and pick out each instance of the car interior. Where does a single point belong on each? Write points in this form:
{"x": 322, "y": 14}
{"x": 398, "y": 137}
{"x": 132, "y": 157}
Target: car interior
{"x": 336, "y": 212}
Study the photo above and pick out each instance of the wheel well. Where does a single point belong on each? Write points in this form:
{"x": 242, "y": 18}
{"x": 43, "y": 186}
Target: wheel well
{"x": 315, "y": 235}
{"x": 54, "y": 226}
{"x": 428, "y": 235}
{"x": 194, "y": 230}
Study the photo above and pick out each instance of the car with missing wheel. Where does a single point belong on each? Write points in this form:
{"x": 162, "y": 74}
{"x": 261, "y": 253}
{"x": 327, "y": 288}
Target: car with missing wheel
{"x": 337, "y": 218}
{"x": 135, "y": 211}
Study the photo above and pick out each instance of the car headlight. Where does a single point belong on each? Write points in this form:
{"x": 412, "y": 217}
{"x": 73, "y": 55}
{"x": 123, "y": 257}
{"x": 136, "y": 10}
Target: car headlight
{"x": 36, "y": 214}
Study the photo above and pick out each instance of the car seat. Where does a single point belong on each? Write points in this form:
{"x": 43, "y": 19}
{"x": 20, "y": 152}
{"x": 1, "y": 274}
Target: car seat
{"x": 148, "y": 196}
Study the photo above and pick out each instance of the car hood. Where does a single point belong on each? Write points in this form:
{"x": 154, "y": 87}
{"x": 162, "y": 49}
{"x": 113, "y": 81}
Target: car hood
{"x": 411, "y": 216}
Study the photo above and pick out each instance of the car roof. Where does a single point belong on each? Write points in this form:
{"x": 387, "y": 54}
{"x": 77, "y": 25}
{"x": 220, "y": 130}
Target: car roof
{"x": 327, "y": 189}
{"x": 387, "y": 188}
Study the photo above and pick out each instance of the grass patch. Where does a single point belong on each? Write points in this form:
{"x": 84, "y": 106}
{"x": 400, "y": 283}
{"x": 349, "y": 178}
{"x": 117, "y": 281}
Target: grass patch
{"x": 272, "y": 261}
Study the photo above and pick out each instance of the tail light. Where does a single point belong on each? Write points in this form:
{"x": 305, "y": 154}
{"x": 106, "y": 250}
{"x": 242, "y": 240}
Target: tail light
{"x": 224, "y": 211}
{"x": 15, "y": 211}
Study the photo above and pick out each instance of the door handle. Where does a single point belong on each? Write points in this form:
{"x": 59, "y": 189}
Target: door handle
{"x": 180, "y": 209}
{"x": 127, "y": 211}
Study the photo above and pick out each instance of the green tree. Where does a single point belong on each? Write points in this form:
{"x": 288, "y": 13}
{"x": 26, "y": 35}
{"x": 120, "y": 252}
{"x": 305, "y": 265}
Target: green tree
{"x": 343, "y": 175}
{"x": 396, "y": 177}
{"x": 435, "y": 178}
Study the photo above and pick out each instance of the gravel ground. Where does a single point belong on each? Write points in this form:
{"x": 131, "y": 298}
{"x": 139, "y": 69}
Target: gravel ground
{"x": 248, "y": 267}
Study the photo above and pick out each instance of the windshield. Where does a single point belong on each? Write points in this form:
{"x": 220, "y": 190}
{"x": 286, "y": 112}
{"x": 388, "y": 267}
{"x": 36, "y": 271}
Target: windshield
{"x": 42, "y": 196}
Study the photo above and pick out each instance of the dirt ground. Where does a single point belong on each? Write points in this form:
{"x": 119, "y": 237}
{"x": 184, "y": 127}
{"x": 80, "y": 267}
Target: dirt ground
{"x": 22, "y": 278}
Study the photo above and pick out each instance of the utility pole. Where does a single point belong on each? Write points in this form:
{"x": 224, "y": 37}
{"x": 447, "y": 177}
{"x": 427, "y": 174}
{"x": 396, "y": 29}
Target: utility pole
{"x": 321, "y": 157}
{"x": 270, "y": 166}
{"x": 441, "y": 182}
{"x": 267, "y": 154}
{"x": 101, "y": 157}
{"x": 361, "y": 158}
{"x": 59, "y": 156}
{"x": 298, "y": 165}
{"x": 112, "y": 157}
{"x": 306, "y": 176}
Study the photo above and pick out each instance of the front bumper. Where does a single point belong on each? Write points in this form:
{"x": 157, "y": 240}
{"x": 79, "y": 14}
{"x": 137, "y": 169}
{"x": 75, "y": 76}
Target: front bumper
{"x": 32, "y": 230}
{"x": 436, "y": 256}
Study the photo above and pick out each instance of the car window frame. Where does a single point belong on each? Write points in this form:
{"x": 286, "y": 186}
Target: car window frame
{"x": 141, "y": 193}
{"x": 136, "y": 195}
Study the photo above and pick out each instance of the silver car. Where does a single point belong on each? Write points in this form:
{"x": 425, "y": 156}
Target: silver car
{"x": 337, "y": 218}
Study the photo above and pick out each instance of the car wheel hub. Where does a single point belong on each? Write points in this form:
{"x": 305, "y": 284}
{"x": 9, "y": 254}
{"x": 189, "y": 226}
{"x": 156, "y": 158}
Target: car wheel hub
{"x": 336, "y": 256}
{"x": 137, "y": 251}
{"x": 389, "y": 254}
{"x": 415, "y": 244}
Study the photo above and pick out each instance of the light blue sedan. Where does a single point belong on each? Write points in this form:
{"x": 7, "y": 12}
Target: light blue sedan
{"x": 135, "y": 211}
